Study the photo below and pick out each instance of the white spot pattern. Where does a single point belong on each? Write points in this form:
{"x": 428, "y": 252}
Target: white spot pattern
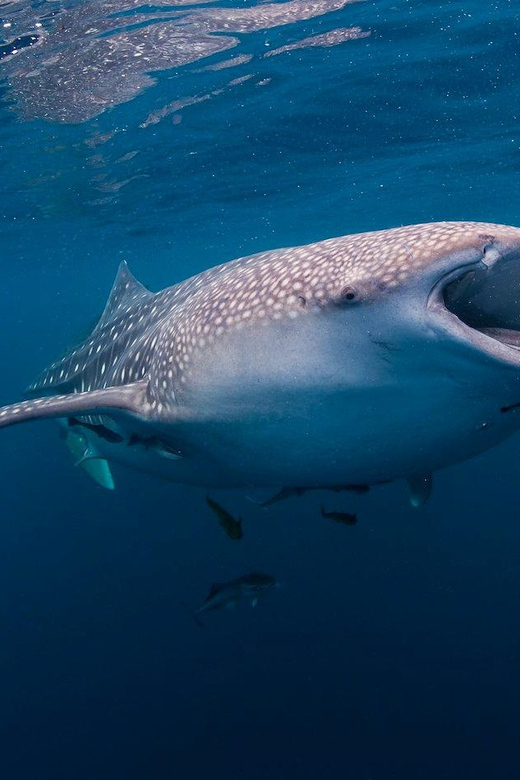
{"x": 159, "y": 336}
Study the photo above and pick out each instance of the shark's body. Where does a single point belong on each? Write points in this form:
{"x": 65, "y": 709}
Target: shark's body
{"x": 336, "y": 363}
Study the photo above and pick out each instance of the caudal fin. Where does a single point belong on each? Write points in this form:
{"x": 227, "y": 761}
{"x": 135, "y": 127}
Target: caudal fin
{"x": 111, "y": 400}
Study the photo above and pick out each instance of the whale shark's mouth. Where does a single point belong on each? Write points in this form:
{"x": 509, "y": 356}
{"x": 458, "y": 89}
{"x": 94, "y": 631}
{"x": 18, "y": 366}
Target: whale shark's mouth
{"x": 486, "y": 299}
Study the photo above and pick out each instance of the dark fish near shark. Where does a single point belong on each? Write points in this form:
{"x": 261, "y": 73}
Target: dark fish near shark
{"x": 291, "y": 492}
{"x": 351, "y": 361}
{"x": 226, "y": 595}
{"x": 340, "y": 517}
{"x": 231, "y": 526}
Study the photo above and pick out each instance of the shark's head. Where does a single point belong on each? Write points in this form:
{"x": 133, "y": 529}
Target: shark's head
{"x": 459, "y": 281}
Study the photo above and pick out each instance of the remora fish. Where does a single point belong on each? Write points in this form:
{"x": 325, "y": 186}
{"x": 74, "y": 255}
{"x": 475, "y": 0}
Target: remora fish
{"x": 340, "y": 517}
{"x": 232, "y": 527}
{"x": 298, "y": 491}
{"x": 226, "y": 595}
{"x": 354, "y": 360}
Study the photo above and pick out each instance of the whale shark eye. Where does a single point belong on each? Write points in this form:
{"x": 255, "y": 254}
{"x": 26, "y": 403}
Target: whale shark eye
{"x": 349, "y": 294}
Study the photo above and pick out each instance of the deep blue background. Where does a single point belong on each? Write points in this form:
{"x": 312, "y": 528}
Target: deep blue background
{"x": 392, "y": 648}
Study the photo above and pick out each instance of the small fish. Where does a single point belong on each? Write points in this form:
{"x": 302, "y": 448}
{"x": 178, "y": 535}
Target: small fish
{"x": 226, "y": 595}
{"x": 289, "y": 492}
{"x": 231, "y": 526}
{"x": 282, "y": 494}
{"x": 340, "y": 517}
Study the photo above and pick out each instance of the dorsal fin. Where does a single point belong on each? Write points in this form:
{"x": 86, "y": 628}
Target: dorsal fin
{"x": 126, "y": 290}
{"x": 215, "y": 587}
{"x": 86, "y": 366}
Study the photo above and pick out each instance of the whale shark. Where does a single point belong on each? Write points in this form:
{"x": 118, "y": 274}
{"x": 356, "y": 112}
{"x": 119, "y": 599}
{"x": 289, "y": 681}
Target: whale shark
{"x": 354, "y": 360}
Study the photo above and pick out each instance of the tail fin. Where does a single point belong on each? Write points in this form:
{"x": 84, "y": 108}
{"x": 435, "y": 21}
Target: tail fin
{"x": 112, "y": 399}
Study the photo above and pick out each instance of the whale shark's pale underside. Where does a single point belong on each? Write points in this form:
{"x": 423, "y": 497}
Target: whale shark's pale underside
{"x": 351, "y": 361}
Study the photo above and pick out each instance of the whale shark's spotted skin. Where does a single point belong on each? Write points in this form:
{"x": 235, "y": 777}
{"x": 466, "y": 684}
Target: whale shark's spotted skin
{"x": 282, "y": 335}
{"x": 168, "y": 328}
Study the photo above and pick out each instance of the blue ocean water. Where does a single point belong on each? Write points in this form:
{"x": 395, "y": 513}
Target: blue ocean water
{"x": 178, "y": 136}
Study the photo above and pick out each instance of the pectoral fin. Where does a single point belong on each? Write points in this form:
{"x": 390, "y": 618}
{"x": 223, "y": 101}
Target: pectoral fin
{"x": 109, "y": 401}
